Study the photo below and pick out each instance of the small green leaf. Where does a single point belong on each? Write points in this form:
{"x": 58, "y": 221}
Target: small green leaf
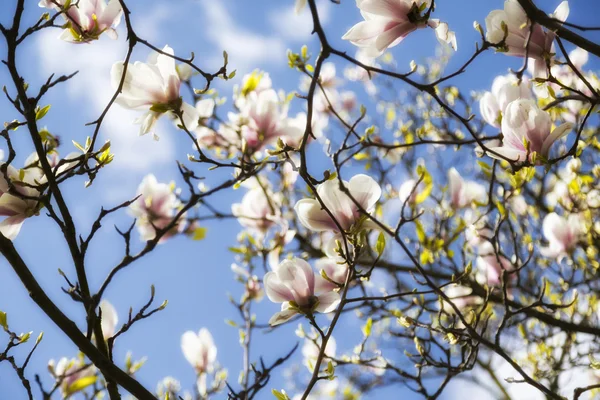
{"x": 199, "y": 233}
{"x": 380, "y": 246}
{"x": 3, "y": 320}
{"x": 280, "y": 395}
{"x": 366, "y": 330}
{"x": 81, "y": 384}
{"x": 25, "y": 337}
{"x": 42, "y": 112}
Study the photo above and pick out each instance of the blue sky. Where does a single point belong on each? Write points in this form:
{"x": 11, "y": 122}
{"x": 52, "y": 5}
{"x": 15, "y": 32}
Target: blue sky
{"x": 194, "y": 276}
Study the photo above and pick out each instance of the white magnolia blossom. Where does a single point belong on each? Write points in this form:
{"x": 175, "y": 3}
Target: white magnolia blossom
{"x": 110, "y": 319}
{"x": 292, "y": 284}
{"x": 253, "y": 288}
{"x": 155, "y": 208}
{"x": 505, "y": 89}
{"x": 463, "y": 193}
{"x": 461, "y": 297}
{"x": 388, "y": 22}
{"x": 86, "y": 20}
{"x": 207, "y": 137}
{"x": 13, "y": 207}
{"x": 199, "y": 350}
{"x": 362, "y": 188}
{"x": 168, "y": 385}
{"x": 476, "y": 232}
{"x": 255, "y": 82}
{"x": 310, "y": 351}
{"x": 258, "y": 210}
{"x": 562, "y": 234}
{"x": 153, "y": 87}
{"x": 409, "y": 192}
{"x": 525, "y": 124}
{"x": 335, "y": 269}
{"x": 513, "y": 19}
{"x": 68, "y": 372}
{"x": 518, "y": 205}
{"x": 265, "y": 120}
{"x": 490, "y": 266}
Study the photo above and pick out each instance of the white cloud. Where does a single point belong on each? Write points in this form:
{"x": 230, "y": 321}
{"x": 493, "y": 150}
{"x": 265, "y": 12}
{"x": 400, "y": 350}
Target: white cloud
{"x": 89, "y": 92}
{"x": 246, "y": 49}
{"x": 295, "y": 27}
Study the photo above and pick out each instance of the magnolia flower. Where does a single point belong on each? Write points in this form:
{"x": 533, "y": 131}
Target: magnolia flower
{"x": 327, "y": 79}
{"x": 311, "y": 350}
{"x": 68, "y": 372}
{"x": 363, "y": 189}
{"x": 387, "y": 22}
{"x": 562, "y": 234}
{"x": 491, "y": 266}
{"x": 257, "y": 211}
{"x": 110, "y": 319}
{"x": 87, "y": 19}
{"x": 505, "y": 89}
{"x": 464, "y": 193}
{"x": 461, "y": 297}
{"x": 518, "y": 205}
{"x": 200, "y": 350}
{"x": 293, "y": 284}
{"x": 336, "y": 270}
{"x": 409, "y": 192}
{"x": 266, "y": 121}
{"x": 13, "y": 207}
{"x": 155, "y": 208}
{"x": 513, "y": 23}
{"x": 526, "y": 129}
{"x": 154, "y": 87}
{"x": 255, "y": 82}
{"x": 477, "y": 233}
{"x": 253, "y": 288}
{"x": 168, "y": 386}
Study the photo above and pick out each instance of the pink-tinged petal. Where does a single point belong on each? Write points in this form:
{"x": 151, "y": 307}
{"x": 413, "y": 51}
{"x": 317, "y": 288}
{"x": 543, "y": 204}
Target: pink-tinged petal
{"x": 322, "y": 285}
{"x": 365, "y": 190}
{"x": 455, "y": 183}
{"x": 337, "y": 202}
{"x": 190, "y": 116}
{"x": 209, "y": 350}
{"x": 364, "y": 31}
{"x": 276, "y": 291}
{"x": 556, "y": 134}
{"x": 11, "y": 226}
{"x": 503, "y": 153}
{"x": 281, "y": 317}
{"x": 328, "y": 302}
{"x": 12, "y": 205}
{"x": 312, "y": 216}
{"x": 398, "y": 10}
{"x": 111, "y": 15}
{"x": 489, "y": 109}
{"x": 556, "y": 230}
{"x": 393, "y": 36}
{"x": 309, "y": 274}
